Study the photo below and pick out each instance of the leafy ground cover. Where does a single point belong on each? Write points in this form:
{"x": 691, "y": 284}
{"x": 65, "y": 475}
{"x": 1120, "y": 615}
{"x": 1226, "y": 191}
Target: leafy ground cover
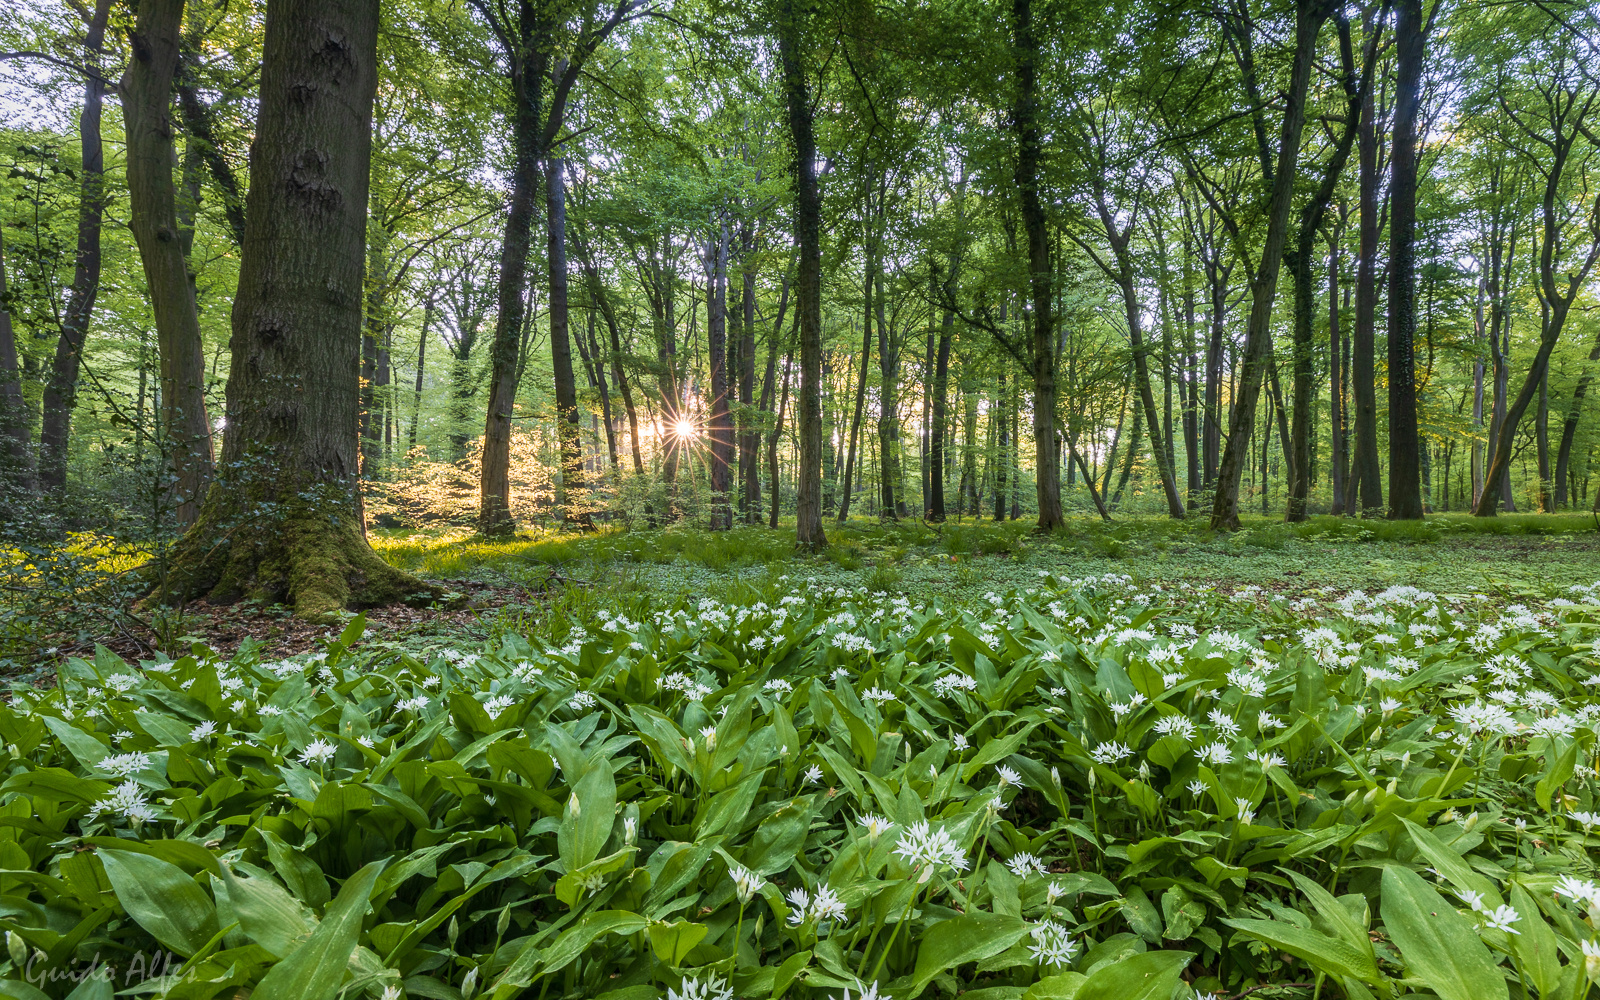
{"x": 1095, "y": 789}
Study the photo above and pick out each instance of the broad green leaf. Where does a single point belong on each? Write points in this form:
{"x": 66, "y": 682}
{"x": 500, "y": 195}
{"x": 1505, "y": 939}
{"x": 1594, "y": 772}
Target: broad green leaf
{"x": 1153, "y": 975}
{"x": 673, "y": 941}
{"x": 268, "y": 914}
{"x": 1062, "y": 987}
{"x": 88, "y": 750}
{"x": 590, "y": 811}
{"x": 1535, "y": 946}
{"x": 1439, "y": 945}
{"x": 970, "y": 937}
{"x": 162, "y": 899}
{"x": 534, "y": 959}
{"x": 788, "y": 971}
{"x": 1559, "y": 774}
{"x": 1332, "y": 955}
{"x": 314, "y": 970}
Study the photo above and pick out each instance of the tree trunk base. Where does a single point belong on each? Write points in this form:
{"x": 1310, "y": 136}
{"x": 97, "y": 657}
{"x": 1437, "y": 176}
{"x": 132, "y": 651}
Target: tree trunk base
{"x": 308, "y": 557}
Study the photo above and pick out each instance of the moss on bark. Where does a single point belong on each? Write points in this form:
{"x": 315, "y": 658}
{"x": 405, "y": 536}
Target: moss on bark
{"x": 311, "y": 556}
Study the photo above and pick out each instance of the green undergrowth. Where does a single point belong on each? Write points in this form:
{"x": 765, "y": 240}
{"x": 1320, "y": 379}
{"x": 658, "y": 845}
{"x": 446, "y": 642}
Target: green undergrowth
{"x": 1077, "y": 789}
{"x": 1508, "y": 555}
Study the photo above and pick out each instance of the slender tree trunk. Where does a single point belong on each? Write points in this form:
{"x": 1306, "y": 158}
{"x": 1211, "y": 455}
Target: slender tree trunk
{"x": 1337, "y": 374}
{"x": 750, "y": 430}
{"x": 153, "y": 217}
{"x": 777, "y": 426}
{"x": 422, "y": 361}
{"x": 861, "y": 398}
{"x": 283, "y": 520}
{"x": 941, "y": 391}
{"x": 1309, "y": 15}
{"x": 1025, "y": 123}
{"x": 808, "y": 282}
{"x": 61, "y": 389}
{"x": 1366, "y": 475}
{"x": 720, "y": 427}
{"x": 1569, "y": 426}
{"x": 1541, "y": 439}
{"x": 891, "y": 491}
{"x": 494, "y": 486}
{"x": 574, "y": 494}
{"x": 17, "y": 468}
{"x": 1300, "y": 261}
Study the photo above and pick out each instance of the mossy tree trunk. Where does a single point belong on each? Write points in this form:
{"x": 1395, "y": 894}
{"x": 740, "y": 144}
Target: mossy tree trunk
{"x": 282, "y": 522}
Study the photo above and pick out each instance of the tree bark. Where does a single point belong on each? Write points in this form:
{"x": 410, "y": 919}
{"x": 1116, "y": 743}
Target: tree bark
{"x": 860, "y": 402}
{"x": 1309, "y": 15}
{"x": 61, "y": 389}
{"x": 749, "y": 429}
{"x": 1405, "y": 471}
{"x": 889, "y": 458}
{"x": 720, "y": 425}
{"x": 1366, "y": 486}
{"x": 1569, "y": 426}
{"x": 941, "y": 402}
{"x": 1300, "y": 260}
{"x": 17, "y": 468}
{"x": 282, "y": 522}
{"x": 808, "y": 282}
{"x": 152, "y": 215}
{"x": 1025, "y": 123}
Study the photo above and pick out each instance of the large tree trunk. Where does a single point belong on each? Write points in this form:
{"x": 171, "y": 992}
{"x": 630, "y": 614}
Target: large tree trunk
{"x": 1025, "y": 122}
{"x": 1309, "y": 15}
{"x": 61, "y": 389}
{"x": 1405, "y": 471}
{"x": 282, "y": 522}
{"x": 153, "y": 217}
{"x": 808, "y": 282}
{"x": 16, "y": 467}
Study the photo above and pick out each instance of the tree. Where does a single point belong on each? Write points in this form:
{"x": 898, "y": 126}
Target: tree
{"x": 61, "y": 391}
{"x": 790, "y": 27}
{"x": 1405, "y": 471}
{"x": 1041, "y": 326}
{"x": 282, "y": 522}
{"x": 1309, "y": 16}
{"x": 153, "y": 217}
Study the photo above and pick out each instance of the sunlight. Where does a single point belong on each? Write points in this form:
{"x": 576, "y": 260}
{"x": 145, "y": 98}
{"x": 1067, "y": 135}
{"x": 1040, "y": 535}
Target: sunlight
{"x": 685, "y": 429}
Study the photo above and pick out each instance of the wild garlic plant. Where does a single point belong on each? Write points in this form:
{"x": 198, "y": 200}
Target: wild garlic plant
{"x": 1089, "y": 788}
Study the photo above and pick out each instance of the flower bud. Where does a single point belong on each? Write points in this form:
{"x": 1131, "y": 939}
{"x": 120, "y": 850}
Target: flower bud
{"x": 18, "y": 950}
{"x": 572, "y": 805}
{"x": 1471, "y": 822}
{"x": 454, "y": 932}
{"x": 1091, "y": 779}
{"x": 469, "y": 985}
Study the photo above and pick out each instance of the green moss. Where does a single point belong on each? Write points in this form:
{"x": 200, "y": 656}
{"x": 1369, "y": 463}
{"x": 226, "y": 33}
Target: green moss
{"x": 302, "y": 553}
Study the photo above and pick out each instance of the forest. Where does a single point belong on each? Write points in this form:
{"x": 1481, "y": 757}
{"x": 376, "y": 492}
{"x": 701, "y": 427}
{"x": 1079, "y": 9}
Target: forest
{"x": 646, "y": 265}
{"x": 811, "y": 499}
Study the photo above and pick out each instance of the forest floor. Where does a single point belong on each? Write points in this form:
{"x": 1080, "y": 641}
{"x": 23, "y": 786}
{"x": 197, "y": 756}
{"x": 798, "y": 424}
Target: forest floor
{"x": 524, "y": 584}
